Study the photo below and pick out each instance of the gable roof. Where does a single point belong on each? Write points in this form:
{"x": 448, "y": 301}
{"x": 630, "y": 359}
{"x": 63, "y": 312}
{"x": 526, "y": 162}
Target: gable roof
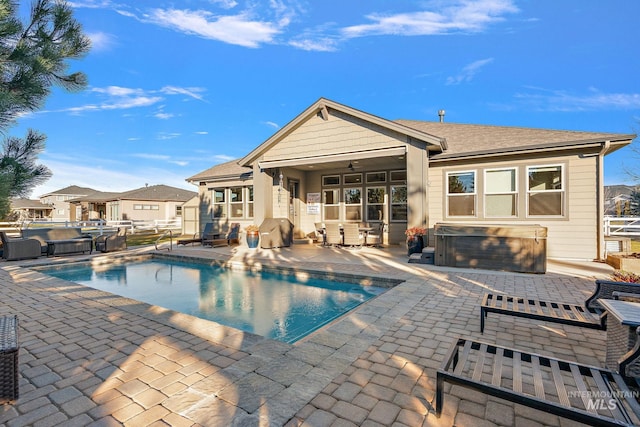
{"x": 468, "y": 140}
{"x": 157, "y": 192}
{"x": 28, "y": 204}
{"x": 322, "y": 106}
{"x": 223, "y": 171}
{"x": 72, "y": 190}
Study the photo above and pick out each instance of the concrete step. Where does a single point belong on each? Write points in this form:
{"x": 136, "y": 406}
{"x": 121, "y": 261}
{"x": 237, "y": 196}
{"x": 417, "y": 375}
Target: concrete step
{"x": 426, "y": 257}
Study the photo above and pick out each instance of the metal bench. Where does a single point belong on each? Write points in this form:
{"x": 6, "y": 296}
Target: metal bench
{"x": 588, "y": 394}
{"x": 589, "y": 315}
{"x": 8, "y": 357}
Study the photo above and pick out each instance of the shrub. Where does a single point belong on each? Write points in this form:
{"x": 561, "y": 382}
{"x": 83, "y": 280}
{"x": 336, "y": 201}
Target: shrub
{"x": 625, "y": 276}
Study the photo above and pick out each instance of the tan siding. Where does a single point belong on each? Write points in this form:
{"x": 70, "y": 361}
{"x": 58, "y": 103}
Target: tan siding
{"x": 572, "y": 237}
{"x": 339, "y": 134}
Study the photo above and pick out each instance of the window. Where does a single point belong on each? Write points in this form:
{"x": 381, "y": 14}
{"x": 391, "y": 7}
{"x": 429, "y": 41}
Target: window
{"x": 354, "y": 178}
{"x": 373, "y": 177}
{"x": 500, "y": 189}
{"x": 398, "y": 203}
{"x": 353, "y": 204}
{"x": 140, "y": 207}
{"x": 219, "y": 203}
{"x": 461, "y": 193}
{"x": 235, "y": 202}
{"x": 249, "y": 202}
{"x": 545, "y": 190}
{"x": 178, "y": 211}
{"x": 398, "y": 176}
{"x": 331, "y": 180}
{"x": 375, "y": 203}
{"x": 331, "y": 203}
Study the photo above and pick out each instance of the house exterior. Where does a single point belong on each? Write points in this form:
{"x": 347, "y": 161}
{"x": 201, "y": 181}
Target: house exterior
{"x": 29, "y": 210}
{"x": 148, "y": 203}
{"x": 334, "y": 163}
{"x": 58, "y": 200}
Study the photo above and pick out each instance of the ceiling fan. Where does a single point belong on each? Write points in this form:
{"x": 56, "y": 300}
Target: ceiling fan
{"x": 351, "y": 167}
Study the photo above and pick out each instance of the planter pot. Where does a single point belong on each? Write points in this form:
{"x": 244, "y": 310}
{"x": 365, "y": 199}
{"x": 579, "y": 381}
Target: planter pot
{"x": 252, "y": 239}
{"x": 415, "y": 244}
{"x": 624, "y": 263}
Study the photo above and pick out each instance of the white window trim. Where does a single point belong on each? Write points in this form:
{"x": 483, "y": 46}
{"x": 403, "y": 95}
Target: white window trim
{"x": 475, "y": 193}
{"x": 563, "y": 190}
{"x": 392, "y": 203}
{"x": 487, "y": 193}
{"x": 346, "y": 205}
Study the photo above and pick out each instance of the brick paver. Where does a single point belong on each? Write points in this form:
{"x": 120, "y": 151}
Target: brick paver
{"x": 91, "y": 358}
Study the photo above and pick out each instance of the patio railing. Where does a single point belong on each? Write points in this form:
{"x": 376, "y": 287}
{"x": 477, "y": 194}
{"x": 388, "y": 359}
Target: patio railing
{"x": 622, "y": 226}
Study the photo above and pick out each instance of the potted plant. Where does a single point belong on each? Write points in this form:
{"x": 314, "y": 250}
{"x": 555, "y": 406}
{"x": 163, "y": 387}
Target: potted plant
{"x": 253, "y": 235}
{"x": 415, "y": 242}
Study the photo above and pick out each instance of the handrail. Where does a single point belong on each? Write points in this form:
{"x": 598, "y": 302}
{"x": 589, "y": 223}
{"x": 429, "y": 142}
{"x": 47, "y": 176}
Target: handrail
{"x": 170, "y": 233}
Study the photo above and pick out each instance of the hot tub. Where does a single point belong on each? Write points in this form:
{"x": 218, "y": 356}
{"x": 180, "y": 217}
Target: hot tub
{"x": 518, "y": 248}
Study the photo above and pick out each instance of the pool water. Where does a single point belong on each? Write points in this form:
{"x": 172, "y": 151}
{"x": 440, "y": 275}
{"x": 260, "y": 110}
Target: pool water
{"x": 277, "y": 306}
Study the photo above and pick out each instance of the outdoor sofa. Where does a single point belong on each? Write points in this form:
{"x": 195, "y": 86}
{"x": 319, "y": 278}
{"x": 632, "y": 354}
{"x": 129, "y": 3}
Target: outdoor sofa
{"x": 60, "y": 240}
{"x": 19, "y": 248}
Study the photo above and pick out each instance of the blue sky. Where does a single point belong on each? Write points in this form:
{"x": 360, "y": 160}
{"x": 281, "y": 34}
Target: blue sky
{"x": 177, "y": 87}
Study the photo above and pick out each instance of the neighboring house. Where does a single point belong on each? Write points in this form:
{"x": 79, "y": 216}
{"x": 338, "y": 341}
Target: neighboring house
{"x": 93, "y": 206}
{"x": 26, "y": 209}
{"x": 154, "y": 202}
{"x": 62, "y": 210}
{"x": 618, "y": 199}
{"x": 335, "y": 163}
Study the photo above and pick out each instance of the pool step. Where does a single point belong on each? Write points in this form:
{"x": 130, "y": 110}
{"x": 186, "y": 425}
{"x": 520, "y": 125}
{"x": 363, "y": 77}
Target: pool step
{"x": 426, "y": 257}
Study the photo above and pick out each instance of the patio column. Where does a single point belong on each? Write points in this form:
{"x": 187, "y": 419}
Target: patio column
{"x": 417, "y": 163}
{"x": 262, "y": 194}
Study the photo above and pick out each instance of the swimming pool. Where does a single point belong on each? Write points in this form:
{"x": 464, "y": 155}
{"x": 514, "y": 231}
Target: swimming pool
{"x": 274, "y": 305}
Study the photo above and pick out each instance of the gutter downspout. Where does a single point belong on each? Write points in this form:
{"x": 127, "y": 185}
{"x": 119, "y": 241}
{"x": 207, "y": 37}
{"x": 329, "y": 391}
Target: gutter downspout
{"x": 600, "y": 197}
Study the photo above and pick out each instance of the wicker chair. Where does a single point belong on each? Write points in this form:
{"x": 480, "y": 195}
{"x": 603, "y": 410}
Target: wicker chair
{"x": 352, "y": 236}
{"x": 113, "y": 242}
{"x": 14, "y": 249}
{"x": 332, "y": 234}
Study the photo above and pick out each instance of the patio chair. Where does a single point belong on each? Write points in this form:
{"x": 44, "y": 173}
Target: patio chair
{"x": 19, "y": 248}
{"x": 208, "y": 230}
{"x": 332, "y": 234}
{"x": 375, "y": 237}
{"x": 112, "y": 242}
{"x": 352, "y": 236}
{"x": 320, "y": 233}
{"x": 216, "y": 240}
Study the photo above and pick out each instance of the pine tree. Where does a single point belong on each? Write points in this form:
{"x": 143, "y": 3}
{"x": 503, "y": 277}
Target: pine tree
{"x": 33, "y": 59}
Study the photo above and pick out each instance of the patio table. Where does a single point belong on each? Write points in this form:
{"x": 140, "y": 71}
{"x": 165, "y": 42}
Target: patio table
{"x": 624, "y": 318}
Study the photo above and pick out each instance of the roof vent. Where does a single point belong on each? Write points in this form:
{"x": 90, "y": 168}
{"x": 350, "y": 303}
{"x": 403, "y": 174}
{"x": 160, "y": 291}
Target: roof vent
{"x": 441, "y": 115}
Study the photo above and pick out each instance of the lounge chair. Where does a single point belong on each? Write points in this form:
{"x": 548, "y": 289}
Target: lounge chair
{"x": 320, "y": 234}
{"x": 208, "y": 231}
{"x": 589, "y": 315}
{"x": 217, "y": 240}
{"x": 588, "y": 394}
{"x": 351, "y": 235}
{"x": 112, "y": 242}
{"x": 332, "y": 234}
{"x": 19, "y": 248}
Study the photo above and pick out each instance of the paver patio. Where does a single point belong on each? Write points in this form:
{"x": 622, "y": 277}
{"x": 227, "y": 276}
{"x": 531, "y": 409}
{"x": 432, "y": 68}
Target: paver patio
{"x": 92, "y": 358}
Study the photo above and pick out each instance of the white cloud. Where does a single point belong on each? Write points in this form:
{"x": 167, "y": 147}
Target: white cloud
{"x": 595, "y": 100}
{"x": 468, "y": 72}
{"x": 239, "y": 29}
{"x": 460, "y": 16}
{"x": 325, "y": 44}
{"x": 193, "y": 92}
{"x": 163, "y": 116}
{"x": 272, "y": 124}
{"x": 163, "y": 136}
{"x": 100, "y": 41}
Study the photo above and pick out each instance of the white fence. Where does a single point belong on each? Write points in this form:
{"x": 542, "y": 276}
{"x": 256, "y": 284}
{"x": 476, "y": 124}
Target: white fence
{"x": 622, "y": 226}
{"x": 96, "y": 227}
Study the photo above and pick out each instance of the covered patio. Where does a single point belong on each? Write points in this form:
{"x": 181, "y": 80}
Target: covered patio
{"x": 92, "y": 358}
